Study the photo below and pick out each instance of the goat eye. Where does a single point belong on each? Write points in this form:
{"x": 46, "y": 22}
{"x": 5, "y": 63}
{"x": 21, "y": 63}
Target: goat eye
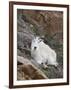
{"x": 42, "y": 63}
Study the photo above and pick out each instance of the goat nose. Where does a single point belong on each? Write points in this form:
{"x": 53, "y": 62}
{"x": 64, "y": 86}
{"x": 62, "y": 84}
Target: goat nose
{"x": 35, "y": 48}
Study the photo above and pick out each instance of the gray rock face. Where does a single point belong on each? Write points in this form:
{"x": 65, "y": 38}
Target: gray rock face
{"x": 23, "y": 40}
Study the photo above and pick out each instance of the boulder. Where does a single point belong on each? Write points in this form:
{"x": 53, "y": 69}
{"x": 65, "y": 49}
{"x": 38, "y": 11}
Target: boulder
{"x": 28, "y": 70}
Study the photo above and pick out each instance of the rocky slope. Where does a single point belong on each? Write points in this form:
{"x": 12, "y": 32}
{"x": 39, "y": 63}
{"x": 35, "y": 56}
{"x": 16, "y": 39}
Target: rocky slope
{"x": 43, "y": 23}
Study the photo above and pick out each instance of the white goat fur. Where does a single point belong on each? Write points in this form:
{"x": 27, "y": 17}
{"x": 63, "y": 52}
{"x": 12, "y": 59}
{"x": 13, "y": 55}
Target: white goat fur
{"x": 43, "y": 53}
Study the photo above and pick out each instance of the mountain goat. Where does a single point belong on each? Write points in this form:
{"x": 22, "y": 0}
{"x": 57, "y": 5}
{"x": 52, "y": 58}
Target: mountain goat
{"x": 42, "y": 53}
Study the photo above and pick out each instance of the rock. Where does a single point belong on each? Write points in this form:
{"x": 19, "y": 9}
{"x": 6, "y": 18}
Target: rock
{"x": 24, "y": 34}
{"x": 28, "y": 70}
{"x": 47, "y": 22}
{"x": 23, "y": 40}
{"x": 19, "y": 53}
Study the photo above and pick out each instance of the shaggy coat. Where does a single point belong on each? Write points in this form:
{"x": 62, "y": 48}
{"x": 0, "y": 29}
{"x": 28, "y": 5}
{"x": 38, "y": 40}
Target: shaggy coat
{"x": 42, "y": 53}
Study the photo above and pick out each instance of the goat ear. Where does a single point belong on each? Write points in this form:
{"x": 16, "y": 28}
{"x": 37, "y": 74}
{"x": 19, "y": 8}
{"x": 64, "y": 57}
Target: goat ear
{"x": 41, "y": 40}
